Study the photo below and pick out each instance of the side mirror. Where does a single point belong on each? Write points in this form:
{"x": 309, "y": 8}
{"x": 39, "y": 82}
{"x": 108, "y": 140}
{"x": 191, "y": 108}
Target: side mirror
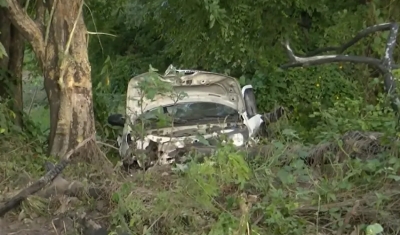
{"x": 249, "y": 100}
{"x": 116, "y": 120}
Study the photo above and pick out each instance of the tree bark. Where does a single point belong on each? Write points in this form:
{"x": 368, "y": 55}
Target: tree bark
{"x": 62, "y": 52}
{"x": 11, "y": 66}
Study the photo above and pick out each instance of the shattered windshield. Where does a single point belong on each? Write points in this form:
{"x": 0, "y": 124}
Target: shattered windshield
{"x": 191, "y": 112}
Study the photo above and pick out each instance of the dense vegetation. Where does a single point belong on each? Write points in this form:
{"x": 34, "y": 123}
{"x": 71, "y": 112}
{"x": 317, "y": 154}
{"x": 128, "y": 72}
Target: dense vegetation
{"x": 244, "y": 40}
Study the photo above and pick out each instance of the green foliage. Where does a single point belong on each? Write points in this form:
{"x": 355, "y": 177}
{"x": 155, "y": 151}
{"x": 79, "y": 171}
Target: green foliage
{"x": 7, "y": 117}
{"x": 3, "y": 3}
{"x": 234, "y": 38}
{"x": 350, "y": 114}
{"x": 3, "y": 52}
{"x": 242, "y": 39}
{"x": 374, "y": 229}
{"x": 204, "y": 198}
{"x": 226, "y": 167}
{"x": 194, "y": 190}
{"x": 8, "y": 127}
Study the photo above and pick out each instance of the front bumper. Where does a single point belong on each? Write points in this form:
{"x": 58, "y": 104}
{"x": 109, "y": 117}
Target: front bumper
{"x": 128, "y": 147}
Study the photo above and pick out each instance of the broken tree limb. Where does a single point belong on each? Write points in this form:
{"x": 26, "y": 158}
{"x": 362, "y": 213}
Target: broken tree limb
{"x": 360, "y": 35}
{"x": 325, "y": 59}
{"x": 61, "y": 186}
{"x": 385, "y": 65}
{"x": 43, "y": 181}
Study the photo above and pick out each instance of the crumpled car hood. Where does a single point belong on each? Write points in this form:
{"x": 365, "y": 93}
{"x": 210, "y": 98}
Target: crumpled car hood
{"x": 199, "y": 86}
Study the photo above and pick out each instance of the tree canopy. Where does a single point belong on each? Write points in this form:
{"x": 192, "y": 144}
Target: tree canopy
{"x": 244, "y": 39}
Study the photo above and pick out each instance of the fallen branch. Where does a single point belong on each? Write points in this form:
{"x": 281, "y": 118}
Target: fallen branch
{"x": 43, "y": 181}
{"x": 61, "y": 186}
{"x": 385, "y": 65}
{"x": 360, "y": 35}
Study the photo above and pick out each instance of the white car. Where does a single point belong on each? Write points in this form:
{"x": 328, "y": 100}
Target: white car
{"x": 213, "y": 104}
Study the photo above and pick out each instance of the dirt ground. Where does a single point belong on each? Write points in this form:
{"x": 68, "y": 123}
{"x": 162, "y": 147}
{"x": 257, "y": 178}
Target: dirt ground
{"x": 70, "y": 222}
{"x": 38, "y": 226}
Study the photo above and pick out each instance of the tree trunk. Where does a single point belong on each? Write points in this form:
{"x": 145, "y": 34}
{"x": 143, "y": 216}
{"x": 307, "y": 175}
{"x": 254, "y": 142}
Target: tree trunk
{"x": 68, "y": 87}
{"x": 11, "y": 66}
{"x": 62, "y": 53}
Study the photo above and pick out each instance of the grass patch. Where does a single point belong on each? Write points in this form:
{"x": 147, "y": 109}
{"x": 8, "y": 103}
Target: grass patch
{"x": 226, "y": 195}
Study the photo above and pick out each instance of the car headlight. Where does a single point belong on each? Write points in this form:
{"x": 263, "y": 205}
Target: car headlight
{"x": 239, "y": 136}
{"x": 237, "y": 139}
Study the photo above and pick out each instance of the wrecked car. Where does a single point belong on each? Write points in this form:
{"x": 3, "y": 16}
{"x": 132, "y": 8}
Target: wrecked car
{"x": 214, "y": 105}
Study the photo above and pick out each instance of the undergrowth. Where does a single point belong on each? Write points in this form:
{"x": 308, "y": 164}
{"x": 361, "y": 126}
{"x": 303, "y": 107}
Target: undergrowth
{"x": 207, "y": 198}
{"x": 230, "y": 192}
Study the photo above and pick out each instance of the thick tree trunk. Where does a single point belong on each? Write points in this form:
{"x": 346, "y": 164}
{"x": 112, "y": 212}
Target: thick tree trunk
{"x": 62, "y": 52}
{"x": 11, "y": 66}
{"x": 68, "y": 86}
{"x": 71, "y": 108}
{"x": 67, "y": 79}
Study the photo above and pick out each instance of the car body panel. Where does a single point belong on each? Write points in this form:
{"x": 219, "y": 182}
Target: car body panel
{"x": 199, "y": 86}
{"x": 204, "y": 86}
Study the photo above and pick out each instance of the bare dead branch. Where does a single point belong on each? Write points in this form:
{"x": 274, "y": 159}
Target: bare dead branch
{"x": 388, "y": 60}
{"x": 43, "y": 181}
{"x": 28, "y": 28}
{"x": 360, "y": 35}
{"x": 297, "y": 61}
{"x": 384, "y": 65}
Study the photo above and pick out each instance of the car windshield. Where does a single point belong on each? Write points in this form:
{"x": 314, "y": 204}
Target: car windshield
{"x": 187, "y": 112}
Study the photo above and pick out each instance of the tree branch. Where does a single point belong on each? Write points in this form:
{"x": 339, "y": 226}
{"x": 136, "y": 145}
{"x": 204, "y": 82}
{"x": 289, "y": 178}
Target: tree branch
{"x": 28, "y": 28}
{"x": 360, "y": 35}
{"x": 297, "y": 61}
{"x": 388, "y": 60}
{"x": 385, "y": 66}
{"x": 40, "y": 14}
